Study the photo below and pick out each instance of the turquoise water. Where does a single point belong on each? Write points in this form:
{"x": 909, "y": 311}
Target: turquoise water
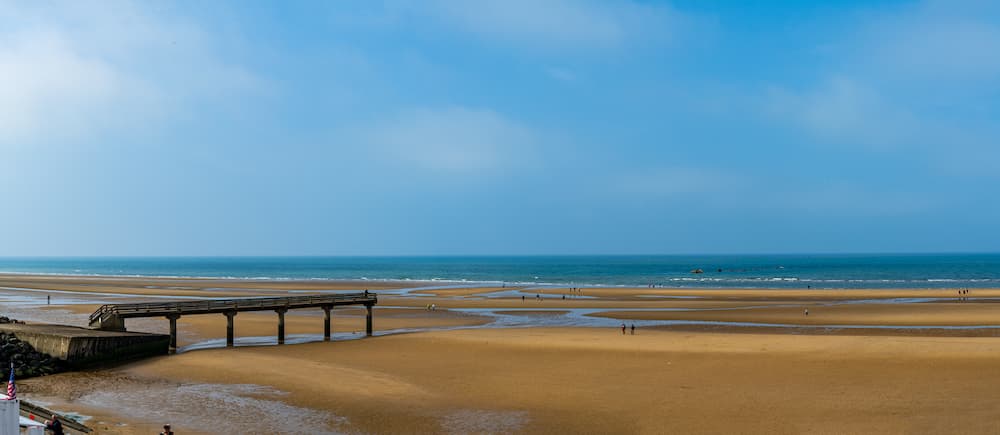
{"x": 728, "y": 271}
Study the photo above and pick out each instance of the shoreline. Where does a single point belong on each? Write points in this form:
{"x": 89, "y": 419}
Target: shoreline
{"x": 407, "y": 283}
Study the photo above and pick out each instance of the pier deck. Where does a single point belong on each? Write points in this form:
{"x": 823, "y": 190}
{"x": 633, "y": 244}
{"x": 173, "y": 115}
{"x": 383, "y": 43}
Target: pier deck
{"x": 112, "y": 316}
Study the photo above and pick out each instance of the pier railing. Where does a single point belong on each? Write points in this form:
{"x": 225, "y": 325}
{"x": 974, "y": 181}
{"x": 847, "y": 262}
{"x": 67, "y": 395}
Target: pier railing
{"x": 157, "y": 309}
{"x": 112, "y": 316}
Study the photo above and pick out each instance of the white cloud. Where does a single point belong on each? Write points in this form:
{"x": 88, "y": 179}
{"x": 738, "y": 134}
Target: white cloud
{"x": 917, "y": 77}
{"x": 847, "y": 199}
{"x": 675, "y": 181}
{"x": 561, "y": 74}
{"x": 845, "y": 112}
{"x": 83, "y": 68}
{"x": 558, "y": 23}
{"x": 42, "y": 79}
{"x": 454, "y": 139}
{"x": 935, "y": 40}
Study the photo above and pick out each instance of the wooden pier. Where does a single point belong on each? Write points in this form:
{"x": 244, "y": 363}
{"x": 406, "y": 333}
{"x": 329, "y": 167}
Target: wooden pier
{"x": 112, "y": 316}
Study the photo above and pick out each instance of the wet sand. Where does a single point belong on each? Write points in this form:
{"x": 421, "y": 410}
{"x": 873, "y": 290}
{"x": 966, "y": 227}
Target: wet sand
{"x": 916, "y": 314}
{"x": 676, "y": 379}
{"x": 198, "y": 328}
{"x": 585, "y": 380}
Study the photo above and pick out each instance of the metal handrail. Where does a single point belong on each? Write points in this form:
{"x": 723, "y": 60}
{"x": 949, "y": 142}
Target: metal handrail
{"x": 30, "y": 409}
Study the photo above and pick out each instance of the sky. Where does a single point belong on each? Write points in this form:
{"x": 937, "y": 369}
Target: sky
{"x": 450, "y": 127}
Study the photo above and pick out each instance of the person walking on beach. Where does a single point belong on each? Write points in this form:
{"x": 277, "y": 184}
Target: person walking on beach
{"x": 623, "y": 328}
{"x": 633, "y": 329}
{"x": 807, "y": 311}
{"x": 166, "y": 430}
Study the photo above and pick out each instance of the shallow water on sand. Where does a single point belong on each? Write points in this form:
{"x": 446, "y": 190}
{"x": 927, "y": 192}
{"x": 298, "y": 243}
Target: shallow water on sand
{"x": 241, "y": 408}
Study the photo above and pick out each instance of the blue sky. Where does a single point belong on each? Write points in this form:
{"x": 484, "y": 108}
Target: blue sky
{"x": 506, "y": 127}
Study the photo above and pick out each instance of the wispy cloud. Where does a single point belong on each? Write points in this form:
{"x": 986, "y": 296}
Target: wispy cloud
{"x": 848, "y": 200}
{"x": 918, "y": 78}
{"x": 561, "y": 74}
{"x": 844, "y": 112}
{"x": 935, "y": 40}
{"x": 81, "y": 68}
{"x": 669, "y": 182}
{"x": 557, "y": 23}
{"x": 454, "y": 139}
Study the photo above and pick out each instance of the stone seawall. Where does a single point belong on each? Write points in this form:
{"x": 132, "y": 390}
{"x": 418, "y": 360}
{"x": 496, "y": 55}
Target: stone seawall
{"x": 82, "y": 346}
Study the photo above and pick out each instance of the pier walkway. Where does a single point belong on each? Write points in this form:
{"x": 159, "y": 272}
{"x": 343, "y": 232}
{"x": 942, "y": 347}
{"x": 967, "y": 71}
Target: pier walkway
{"x": 112, "y": 316}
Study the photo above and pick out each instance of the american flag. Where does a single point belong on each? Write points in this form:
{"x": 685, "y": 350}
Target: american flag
{"x": 11, "y": 388}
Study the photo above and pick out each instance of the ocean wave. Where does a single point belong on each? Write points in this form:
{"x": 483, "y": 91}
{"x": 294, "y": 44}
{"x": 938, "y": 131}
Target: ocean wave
{"x": 674, "y": 280}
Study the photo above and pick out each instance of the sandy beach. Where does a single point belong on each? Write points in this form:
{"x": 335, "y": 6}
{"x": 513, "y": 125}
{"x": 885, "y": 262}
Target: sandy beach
{"x": 501, "y": 217}
{"x": 452, "y": 371}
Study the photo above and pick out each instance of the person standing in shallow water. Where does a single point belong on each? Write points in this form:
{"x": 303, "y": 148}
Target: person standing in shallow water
{"x": 633, "y": 329}
{"x": 623, "y": 328}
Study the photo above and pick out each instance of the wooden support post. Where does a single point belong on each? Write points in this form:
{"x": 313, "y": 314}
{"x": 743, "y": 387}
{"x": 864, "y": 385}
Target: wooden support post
{"x": 281, "y": 324}
{"x": 172, "y": 349}
{"x": 368, "y": 320}
{"x": 229, "y": 328}
{"x": 326, "y": 323}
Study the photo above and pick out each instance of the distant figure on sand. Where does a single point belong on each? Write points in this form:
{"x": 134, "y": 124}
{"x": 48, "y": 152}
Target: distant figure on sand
{"x": 807, "y": 311}
{"x": 522, "y": 298}
{"x": 623, "y": 328}
{"x": 538, "y": 297}
{"x": 166, "y": 430}
{"x": 633, "y": 329}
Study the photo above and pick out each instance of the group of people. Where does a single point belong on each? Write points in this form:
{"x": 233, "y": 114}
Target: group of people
{"x": 963, "y": 294}
{"x": 538, "y": 296}
{"x": 56, "y": 427}
{"x": 624, "y": 329}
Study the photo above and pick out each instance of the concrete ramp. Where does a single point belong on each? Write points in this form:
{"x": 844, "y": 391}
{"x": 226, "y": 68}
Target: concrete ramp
{"x": 82, "y": 346}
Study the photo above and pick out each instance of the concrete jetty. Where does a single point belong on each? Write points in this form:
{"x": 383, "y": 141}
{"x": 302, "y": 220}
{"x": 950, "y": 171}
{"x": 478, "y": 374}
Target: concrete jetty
{"x": 82, "y": 346}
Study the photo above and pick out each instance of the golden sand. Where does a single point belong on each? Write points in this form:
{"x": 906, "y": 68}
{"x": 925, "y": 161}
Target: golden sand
{"x": 587, "y": 380}
{"x": 596, "y": 381}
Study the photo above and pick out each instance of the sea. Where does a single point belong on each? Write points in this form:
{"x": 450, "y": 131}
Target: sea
{"x": 680, "y": 271}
